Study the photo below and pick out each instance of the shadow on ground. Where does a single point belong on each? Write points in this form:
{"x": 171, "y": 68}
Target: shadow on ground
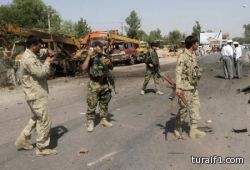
{"x": 56, "y": 133}
{"x": 98, "y": 118}
{"x": 150, "y": 91}
{"x": 170, "y": 125}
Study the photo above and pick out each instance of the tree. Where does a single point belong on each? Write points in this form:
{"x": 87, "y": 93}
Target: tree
{"x": 82, "y": 28}
{"x": 55, "y": 20}
{"x": 209, "y": 30}
{"x": 134, "y": 24}
{"x": 154, "y": 35}
{"x": 247, "y": 33}
{"x": 241, "y": 40}
{"x": 68, "y": 27}
{"x": 175, "y": 37}
{"x": 142, "y": 35}
{"x": 29, "y": 14}
{"x": 197, "y": 30}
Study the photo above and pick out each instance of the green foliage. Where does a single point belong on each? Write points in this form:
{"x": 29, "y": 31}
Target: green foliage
{"x": 241, "y": 40}
{"x": 68, "y": 28}
{"x": 175, "y": 37}
{"x": 247, "y": 33}
{"x": 197, "y": 30}
{"x": 134, "y": 24}
{"x": 35, "y": 14}
{"x": 27, "y": 13}
{"x": 154, "y": 35}
{"x": 82, "y": 28}
{"x": 142, "y": 35}
{"x": 209, "y": 30}
{"x": 78, "y": 29}
{"x": 55, "y": 20}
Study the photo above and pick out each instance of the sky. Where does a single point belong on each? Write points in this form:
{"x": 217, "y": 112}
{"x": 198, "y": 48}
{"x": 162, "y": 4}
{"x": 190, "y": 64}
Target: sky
{"x": 167, "y": 15}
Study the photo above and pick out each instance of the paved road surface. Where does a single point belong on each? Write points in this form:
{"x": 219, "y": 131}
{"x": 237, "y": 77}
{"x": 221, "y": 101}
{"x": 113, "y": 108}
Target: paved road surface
{"x": 142, "y": 136}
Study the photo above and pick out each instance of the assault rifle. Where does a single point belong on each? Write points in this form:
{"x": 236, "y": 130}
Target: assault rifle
{"x": 173, "y": 94}
{"x": 107, "y": 73}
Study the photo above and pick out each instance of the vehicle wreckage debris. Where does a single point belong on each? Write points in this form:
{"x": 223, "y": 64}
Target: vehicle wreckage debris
{"x": 239, "y": 130}
{"x": 244, "y": 90}
{"x": 207, "y": 129}
{"x": 83, "y": 151}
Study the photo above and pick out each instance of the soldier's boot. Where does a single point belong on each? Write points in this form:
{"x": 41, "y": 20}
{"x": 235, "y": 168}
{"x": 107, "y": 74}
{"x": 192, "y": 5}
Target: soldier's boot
{"x": 159, "y": 92}
{"x": 178, "y": 130}
{"x": 21, "y": 142}
{"x": 105, "y": 123}
{"x": 195, "y": 132}
{"x": 45, "y": 152}
{"x": 90, "y": 125}
{"x": 142, "y": 92}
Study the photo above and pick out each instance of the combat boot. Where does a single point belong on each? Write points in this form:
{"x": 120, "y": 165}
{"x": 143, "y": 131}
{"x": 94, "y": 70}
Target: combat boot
{"x": 45, "y": 152}
{"x": 178, "y": 133}
{"x": 195, "y": 133}
{"x": 90, "y": 125}
{"x": 159, "y": 92}
{"x": 105, "y": 123}
{"x": 142, "y": 92}
{"x": 178, "y": 130}
{"x": 21, "y": 142}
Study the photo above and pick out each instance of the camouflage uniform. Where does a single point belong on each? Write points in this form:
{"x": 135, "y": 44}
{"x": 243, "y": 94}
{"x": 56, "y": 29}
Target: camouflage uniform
{"x": 187, "y": 77}
{"x": 35, "y": 87}
{"x": 152, "y": 58}
{"x": 98, "y": 88}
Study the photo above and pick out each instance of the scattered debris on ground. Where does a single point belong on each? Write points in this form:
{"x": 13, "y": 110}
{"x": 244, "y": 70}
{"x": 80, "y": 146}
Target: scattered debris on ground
{"x": 239, "y": 130}
{"x": 83, "y": 151}
{"x": 209, "y": 121}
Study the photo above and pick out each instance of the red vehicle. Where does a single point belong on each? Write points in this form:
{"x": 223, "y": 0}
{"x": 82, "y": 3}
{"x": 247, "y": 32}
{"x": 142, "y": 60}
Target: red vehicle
{"x": 121, "y": 48}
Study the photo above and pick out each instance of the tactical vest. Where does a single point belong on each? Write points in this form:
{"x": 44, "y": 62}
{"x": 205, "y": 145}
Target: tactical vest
{"x": 152, "y": 58}
{"x": 97, "y": 69}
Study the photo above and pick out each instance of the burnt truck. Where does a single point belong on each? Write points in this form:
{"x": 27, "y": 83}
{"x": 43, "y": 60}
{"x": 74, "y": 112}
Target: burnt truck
{"x": 69, "y": 53}
{"x": 122, "y": 49}
{"x": 123, "y": 53}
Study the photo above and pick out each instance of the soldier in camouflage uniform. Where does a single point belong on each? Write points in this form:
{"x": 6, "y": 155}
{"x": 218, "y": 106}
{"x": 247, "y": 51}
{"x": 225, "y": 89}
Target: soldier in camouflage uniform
{"x": 187, "y": 77}
{"x": 34, "y": 81}
{"x": 97, "y": 66}
{"x": 152, "y": 69}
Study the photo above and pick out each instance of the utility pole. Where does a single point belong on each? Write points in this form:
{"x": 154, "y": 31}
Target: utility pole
{"x": 121, "y": 28}
{"x": 49, "y": 22}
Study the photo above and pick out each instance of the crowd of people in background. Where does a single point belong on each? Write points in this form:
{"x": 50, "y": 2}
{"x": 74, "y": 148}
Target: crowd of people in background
{"x": 231, "y": 56}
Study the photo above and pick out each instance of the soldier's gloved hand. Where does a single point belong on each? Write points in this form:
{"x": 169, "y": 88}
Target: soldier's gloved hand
{"x": 151, "y": 65}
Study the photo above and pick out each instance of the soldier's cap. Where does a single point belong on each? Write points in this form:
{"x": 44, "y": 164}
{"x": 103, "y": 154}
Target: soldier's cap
{"x": 97, "y": 43}
{"x": 235, "y": 42}
{"x": 33, "y": 40}
{"x": 154, "y": 44}
{"x": 229, "y": 41}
